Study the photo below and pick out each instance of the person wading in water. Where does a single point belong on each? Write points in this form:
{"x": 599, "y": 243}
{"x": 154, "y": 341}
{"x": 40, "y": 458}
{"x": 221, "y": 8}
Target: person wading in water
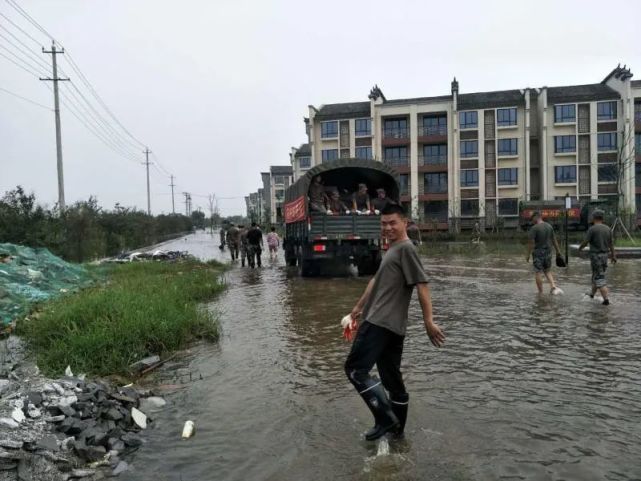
{"x": 383, "y": 308}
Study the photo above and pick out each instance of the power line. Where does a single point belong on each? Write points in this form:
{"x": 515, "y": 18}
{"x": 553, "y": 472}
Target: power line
{"x": 25, "y": 99}
{"x": 27, "y": 51}
{"x": 30, "y": 68}
{"x": 88, "y": 119}
{"x": 23, "y": 31}
{"x": 82, "y": 77}
{"x": 22, "y": 12}
{"x": 100, "y": 120}
{"x": 35, "y": 74}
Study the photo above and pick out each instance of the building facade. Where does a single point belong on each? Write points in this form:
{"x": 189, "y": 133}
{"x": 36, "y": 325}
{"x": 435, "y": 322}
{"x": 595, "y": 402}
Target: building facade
{"x": 275, "y": 181}
{"x": 465, "y": 157}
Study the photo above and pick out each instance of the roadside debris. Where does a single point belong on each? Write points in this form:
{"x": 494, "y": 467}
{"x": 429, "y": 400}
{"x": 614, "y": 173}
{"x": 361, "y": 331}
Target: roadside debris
{"x": 152, "y": 255}
{"x": 68, "y": 428}
{"x": 188, "y": 430}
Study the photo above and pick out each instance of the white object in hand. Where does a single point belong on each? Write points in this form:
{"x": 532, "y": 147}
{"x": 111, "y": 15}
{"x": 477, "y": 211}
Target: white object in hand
{"x": 345, "y": 321}
{"x": 188, "y": 430}
{"x": 556, "y": 291}
{"x": 377, "y": 212}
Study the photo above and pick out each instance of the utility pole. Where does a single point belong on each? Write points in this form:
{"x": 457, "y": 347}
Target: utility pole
{"x": 187, "y": 198}
{"x": 146, "y": 163}
{"x": 172, "y": 185}
{"x": 56, "y": 101}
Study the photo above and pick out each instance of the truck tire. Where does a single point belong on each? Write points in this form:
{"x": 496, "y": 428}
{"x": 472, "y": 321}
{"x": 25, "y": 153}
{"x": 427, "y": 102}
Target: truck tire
{"x": 367, "y": 266}
{"x": 309, "y": 268}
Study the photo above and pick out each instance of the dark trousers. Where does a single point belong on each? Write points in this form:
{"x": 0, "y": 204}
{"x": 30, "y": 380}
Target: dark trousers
{"x": 380, "y": 346}
{"x": 253, "y": 255}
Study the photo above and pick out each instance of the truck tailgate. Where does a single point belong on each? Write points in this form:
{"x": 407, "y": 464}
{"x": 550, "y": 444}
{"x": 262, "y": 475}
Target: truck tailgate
{"x": 343, "y": 226}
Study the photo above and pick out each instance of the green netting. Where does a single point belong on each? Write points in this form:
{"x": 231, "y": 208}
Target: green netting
{"x": 33, "y": 275}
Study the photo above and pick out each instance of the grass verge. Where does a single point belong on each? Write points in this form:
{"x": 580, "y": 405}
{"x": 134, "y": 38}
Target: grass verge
{"x": 142, "y": 309}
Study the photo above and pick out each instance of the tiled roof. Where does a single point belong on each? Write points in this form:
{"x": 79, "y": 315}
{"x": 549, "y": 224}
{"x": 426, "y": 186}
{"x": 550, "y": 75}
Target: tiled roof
{"x": 580, "y": 93}
{"x": 481, "y": 100}
{"x": 281, "y": 169}
{"x": 344, "y": 111}
{"x": 303, "y": 150}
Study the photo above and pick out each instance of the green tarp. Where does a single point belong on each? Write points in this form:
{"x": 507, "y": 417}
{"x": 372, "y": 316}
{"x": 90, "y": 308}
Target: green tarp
{"x": 33, "y": 275}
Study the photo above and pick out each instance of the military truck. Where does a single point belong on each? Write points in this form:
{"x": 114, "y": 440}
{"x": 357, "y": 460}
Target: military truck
{"x": 553, "y": 212}
{"x": 314, "y": 240}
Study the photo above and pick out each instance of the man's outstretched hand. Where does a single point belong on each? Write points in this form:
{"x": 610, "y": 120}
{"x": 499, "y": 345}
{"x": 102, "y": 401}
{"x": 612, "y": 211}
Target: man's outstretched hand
{"x": 435, "y": 334}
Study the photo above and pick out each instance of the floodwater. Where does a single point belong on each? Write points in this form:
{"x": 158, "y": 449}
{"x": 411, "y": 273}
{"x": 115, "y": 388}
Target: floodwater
{"x": 527, "y": 387}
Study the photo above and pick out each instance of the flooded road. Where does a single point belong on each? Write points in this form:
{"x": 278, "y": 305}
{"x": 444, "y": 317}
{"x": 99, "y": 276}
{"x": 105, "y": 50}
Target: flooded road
{"x": 527, "y": 387}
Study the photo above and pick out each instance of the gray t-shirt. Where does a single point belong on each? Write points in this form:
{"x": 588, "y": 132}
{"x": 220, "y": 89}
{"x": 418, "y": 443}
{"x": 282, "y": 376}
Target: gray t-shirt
{"x": 542, "y": 235}
{"x": 394, "y": 282}
{"x": 599, "y": 236}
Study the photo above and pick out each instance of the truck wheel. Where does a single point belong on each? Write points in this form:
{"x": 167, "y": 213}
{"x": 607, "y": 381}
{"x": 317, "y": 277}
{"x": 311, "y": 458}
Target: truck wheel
{"x": 309, "y": 268}
{"x": 367, "y": 266}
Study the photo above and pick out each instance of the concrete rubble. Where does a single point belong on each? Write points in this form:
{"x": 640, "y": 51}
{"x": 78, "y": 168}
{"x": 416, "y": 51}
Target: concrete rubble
{"x": 67, "y": 428}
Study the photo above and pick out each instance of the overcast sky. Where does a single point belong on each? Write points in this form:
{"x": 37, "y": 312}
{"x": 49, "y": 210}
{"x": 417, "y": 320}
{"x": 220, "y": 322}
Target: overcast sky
{"x": 218, "y": 89}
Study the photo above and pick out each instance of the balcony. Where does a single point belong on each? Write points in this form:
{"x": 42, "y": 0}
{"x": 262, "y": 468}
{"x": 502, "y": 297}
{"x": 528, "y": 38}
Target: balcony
{"x": 396, "y": 162}
{"x": 396, "y": 136}
{"x": 432, "y": 163}
{"x": 432, "y": 134}
{"x": 431, "y": 193}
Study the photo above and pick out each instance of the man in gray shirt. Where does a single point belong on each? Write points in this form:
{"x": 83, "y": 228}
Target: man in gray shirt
{"x": 383, "y": 308}
{"x": 599, "y": 236}
{"x": 541, "y": 238}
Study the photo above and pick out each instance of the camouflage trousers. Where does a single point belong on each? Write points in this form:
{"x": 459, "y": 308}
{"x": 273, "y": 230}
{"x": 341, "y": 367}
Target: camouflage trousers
{"x": 599, "y": 264}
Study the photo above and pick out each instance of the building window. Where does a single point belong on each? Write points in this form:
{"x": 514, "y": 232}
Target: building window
{"x": 436, "y": 211}
{"x": 607, "y": 173}
{"x": 364, "y": 153}
{"x": 329, "y": 154}
{"x": 396, "y": 156}
{"x": 469, "y": 148}
{"x": 329, "y": 130}
{"x": 564, "y": 113}
{"x": 637, "y": 178}
{"x": 304, "y": 162}
{"x": 606, "y": 110}
{"x": 606, "y": 141}
{"x": 508, "y": 206}
{"x": 564, "y": 143}
{"x": 435, "y": 154}
{"x": 363, "y": 127}
{"x": 565, "y": 174}
{"x": 435, "y": 125}
{"x": 637, "y": 144}
{"x": 469, "y": 207}
{"x": 468, "y": 120}
{"x": 279, "y": 179}
{"x": 404, "y": 184}
{"x": 435, "y": 183}
{"x": 505, "y": 117}
{"x": 469, "y": 178}
{"x": 509, "y": 176}
{"x": 508, "y": 147}
{"x": 395, "y": 128}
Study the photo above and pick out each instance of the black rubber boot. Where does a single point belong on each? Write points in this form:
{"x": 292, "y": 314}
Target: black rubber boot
{"x": 376, "y": 399}
{"x": 400, "y": 404}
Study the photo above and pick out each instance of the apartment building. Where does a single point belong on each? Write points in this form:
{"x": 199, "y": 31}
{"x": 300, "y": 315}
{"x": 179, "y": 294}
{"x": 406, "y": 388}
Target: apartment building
{"x": 464, "y": 157}
{"x": 275, "y": 182}
{"x": 254, "y": 205}
{"x": 301, "y": 160}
